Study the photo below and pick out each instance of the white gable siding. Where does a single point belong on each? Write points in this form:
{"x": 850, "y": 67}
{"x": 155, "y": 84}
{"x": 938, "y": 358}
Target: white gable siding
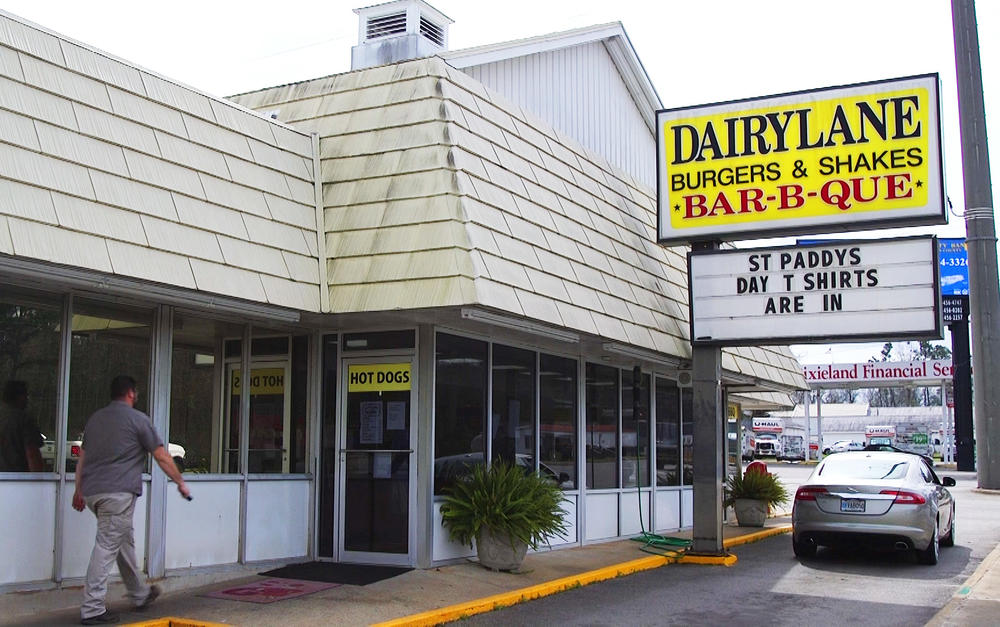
{"x": 579, "y": 91}
{"x": 107, "y": 167}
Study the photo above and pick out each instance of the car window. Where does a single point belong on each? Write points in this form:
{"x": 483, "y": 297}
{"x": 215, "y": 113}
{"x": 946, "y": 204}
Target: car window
{"x": 926, "y": 473}
{"x": 863, "y": 468}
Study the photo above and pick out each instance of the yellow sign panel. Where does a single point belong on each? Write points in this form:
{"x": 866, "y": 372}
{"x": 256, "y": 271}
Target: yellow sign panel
{"x": 262, "y": 381}
{"x": 837, "y": 159}
{"x": 378, "y": 378}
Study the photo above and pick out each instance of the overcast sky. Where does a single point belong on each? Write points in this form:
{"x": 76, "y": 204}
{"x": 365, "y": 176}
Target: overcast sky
{"x": 695, "y": 51}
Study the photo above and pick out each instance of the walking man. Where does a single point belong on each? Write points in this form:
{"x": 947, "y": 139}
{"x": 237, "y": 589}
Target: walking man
{"x": 108, "y": 480}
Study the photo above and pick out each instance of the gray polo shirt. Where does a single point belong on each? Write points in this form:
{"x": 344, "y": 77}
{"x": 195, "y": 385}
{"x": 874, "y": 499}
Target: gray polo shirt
{"x": 115, "y": 442}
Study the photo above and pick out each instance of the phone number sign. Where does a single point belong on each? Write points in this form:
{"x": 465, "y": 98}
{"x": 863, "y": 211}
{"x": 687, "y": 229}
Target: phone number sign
{"x": 953, "y": 257}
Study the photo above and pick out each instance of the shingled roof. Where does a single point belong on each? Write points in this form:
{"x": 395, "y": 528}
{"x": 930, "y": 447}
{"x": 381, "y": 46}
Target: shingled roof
{"x": 439, "y": 192}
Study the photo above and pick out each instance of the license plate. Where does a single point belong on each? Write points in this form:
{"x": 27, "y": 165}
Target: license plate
{"x": 852, "y": 505}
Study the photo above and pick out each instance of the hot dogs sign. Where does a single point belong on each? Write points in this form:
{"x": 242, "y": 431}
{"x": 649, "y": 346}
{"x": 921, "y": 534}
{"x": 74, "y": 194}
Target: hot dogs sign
{"x": 847, "y": 158}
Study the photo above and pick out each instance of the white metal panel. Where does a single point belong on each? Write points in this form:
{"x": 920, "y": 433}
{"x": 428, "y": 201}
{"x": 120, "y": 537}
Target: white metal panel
{"x": 235, "y": 196}
{"x": 181, "y": 238}
{"x": 209, "y": 216}
{"x": 30, "y": 167}
{"x": 291, "y": 212}
{"x": 570, "y": 516}
{"x": 26, "y": 201}
{"x": 206, "y": 530}
{"x": 101, "y": 67}
{"x": 301, "y": 267}
{"x": 668, "y": 510}
{"x": 229, "y": 115}
{"x": 152, "y": 265}
{"x": 281, "y": 160}
{"x": 601, "y": 516}
{"x": 57, "y": 80}
{"x": 27, "y": 533}
{"x": 80, "y": 529}
{"x": 18, "y": 129}
{"x": 112, "y": 128}
{"x": 192, "y": 155}
{"x": 146, "y": 111}
{"x": 304, "y": 296}
{"x": 81, "y": 149}
{"x": 163, "y": 174}
{"x": 98, "y": 219}
{"x": 24, "y": 37}
{"x": 134, "y": 195}
{"x": 49, "y": 243}
{"x": 6, "y": 246}
{"x": 214, "y": 277}
{"x": 252, "y": 175}
{"x": 687, "y": 507}
{"x": 443, "y": 547}
{"x": 580, "y": 92}
{"x": 302, "y": 191}
{"x": 252, "y": 256}
{"x": 173, "y": 95}
{"x": 10, "y": 64}
{"x": 271, "y": 535}
{"x": 210, "y": 134}
{"x": 630, "y": 522}
{"x": 295, "y": 141}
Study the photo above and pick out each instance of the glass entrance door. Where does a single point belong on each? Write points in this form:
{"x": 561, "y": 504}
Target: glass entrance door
{"x": 377, "y": 462}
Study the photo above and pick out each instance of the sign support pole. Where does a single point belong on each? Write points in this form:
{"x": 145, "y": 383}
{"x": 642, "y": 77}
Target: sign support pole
{"x": 709, "y": 444}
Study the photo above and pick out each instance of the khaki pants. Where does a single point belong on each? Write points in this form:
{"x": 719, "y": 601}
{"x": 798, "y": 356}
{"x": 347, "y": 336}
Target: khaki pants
{"x": 114, "y": 543}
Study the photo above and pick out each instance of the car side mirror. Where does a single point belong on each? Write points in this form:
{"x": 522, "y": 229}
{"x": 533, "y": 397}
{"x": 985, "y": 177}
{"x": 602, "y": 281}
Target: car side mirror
{"x": 948, "y": 482}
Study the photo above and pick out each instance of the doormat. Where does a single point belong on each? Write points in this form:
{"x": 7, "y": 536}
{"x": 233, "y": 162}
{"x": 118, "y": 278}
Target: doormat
{"x": 333, "y": 572}
{"x": 270, "y": 590}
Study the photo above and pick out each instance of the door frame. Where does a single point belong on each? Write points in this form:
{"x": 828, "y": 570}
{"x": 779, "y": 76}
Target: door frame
{"x": 365, "y": 557}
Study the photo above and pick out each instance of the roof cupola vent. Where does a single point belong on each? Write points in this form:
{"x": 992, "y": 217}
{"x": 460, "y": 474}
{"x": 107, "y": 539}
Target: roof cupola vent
{"x": 397, "y": 31}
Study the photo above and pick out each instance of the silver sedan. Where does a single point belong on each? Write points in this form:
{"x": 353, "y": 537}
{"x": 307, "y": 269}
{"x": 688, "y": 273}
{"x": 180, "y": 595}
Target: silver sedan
{"x": 878, "y": 500}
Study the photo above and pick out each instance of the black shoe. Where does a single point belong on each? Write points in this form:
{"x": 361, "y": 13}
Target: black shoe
{"x": 154, "y": 592}
{"x": 100, "y": 619}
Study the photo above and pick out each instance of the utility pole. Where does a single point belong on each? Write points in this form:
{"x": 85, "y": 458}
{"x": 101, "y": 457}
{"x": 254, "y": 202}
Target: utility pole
{"x": 984, "y": 289}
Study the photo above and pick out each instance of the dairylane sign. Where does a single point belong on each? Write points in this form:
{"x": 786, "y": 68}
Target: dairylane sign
{"x": 837, "y": 159}
{"x": 879, "y": 372}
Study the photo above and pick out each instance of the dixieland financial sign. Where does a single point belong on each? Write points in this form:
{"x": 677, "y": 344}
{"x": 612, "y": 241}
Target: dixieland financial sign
{"x": 873, "y": 290}
{"x": 838, "y": 159}
{"x": 879, "y": 372}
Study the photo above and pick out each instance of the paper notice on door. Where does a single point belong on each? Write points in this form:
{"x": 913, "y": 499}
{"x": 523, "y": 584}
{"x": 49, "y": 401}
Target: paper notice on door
{"x": 382, "y": 465}
{"x": 371, "y": 422}
{"x": 395, "y": 419}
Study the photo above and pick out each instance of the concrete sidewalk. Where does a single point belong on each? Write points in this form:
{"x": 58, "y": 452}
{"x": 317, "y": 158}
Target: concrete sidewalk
{"x": 427, "y": 597}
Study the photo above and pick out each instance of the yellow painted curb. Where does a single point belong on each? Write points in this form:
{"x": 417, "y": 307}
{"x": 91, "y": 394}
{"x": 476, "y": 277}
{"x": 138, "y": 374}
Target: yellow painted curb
{"x": 513, "y": 597}
{"x": 172, "y": 621}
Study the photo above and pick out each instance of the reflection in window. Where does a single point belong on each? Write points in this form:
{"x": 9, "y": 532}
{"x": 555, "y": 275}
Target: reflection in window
{"x": 196, "y": 374}
{"x": 557, "y": 418}
{"x": 328, "y": 448}
{"x": 108, "y": 340}
{"x": 513, "y": 406}
{"x": 668, "y": 437}
{"x": 602, "y": 426}
{"x": 635, "y": 431}
{"x": 461, "y": 368}
{"x": 29, "y": 368}
{"x": 687, "y": 436}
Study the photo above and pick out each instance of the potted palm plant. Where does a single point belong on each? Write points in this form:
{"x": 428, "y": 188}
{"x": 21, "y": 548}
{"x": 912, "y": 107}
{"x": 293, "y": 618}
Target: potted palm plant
{"x": 505, "y": 510}
{"x": 752, "y": 495}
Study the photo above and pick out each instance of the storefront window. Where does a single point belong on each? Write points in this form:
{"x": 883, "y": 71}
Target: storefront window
{"x": 108, "y": 340}
{"x": 602, "y": 426}
{"x": 557, "y": 418}
{"x": 687, "y": 436}
{"x": 196, "y": 379}
{"x": 514, "y": 406}
{"x": 461, "y": 368}
{"x": 328, "y": 448}
{"x": 668, "y": 439}
{"x": 635, "y": 430}
{"x": 29, "y": 369}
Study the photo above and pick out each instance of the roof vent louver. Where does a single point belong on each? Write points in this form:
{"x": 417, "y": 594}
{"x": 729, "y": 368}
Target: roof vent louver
{"x": 386, "y": 25}
{"x": 431, "y": 31}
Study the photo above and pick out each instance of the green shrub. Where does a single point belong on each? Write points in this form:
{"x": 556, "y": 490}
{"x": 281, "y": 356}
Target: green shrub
{"x": 761, "y": 486}
{"x": 506, "y": 499}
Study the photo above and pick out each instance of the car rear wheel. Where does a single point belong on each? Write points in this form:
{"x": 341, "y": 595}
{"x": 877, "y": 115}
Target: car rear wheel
{"x": 929, "y": 556}
{"x": 804, "y": 548}
{"x": 949, "y": 540}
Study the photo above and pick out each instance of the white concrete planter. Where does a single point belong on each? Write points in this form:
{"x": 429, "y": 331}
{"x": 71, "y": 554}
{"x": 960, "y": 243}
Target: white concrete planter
{"x": 750, "y": 512}
{"x": 497, "y": 552}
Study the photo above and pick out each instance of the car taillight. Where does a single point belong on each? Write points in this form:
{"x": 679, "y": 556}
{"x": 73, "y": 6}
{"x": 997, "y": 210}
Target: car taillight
{"x": 902, "y": 497}
{"x": 74, "y": 450}
{"x": 808, "y": 493}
